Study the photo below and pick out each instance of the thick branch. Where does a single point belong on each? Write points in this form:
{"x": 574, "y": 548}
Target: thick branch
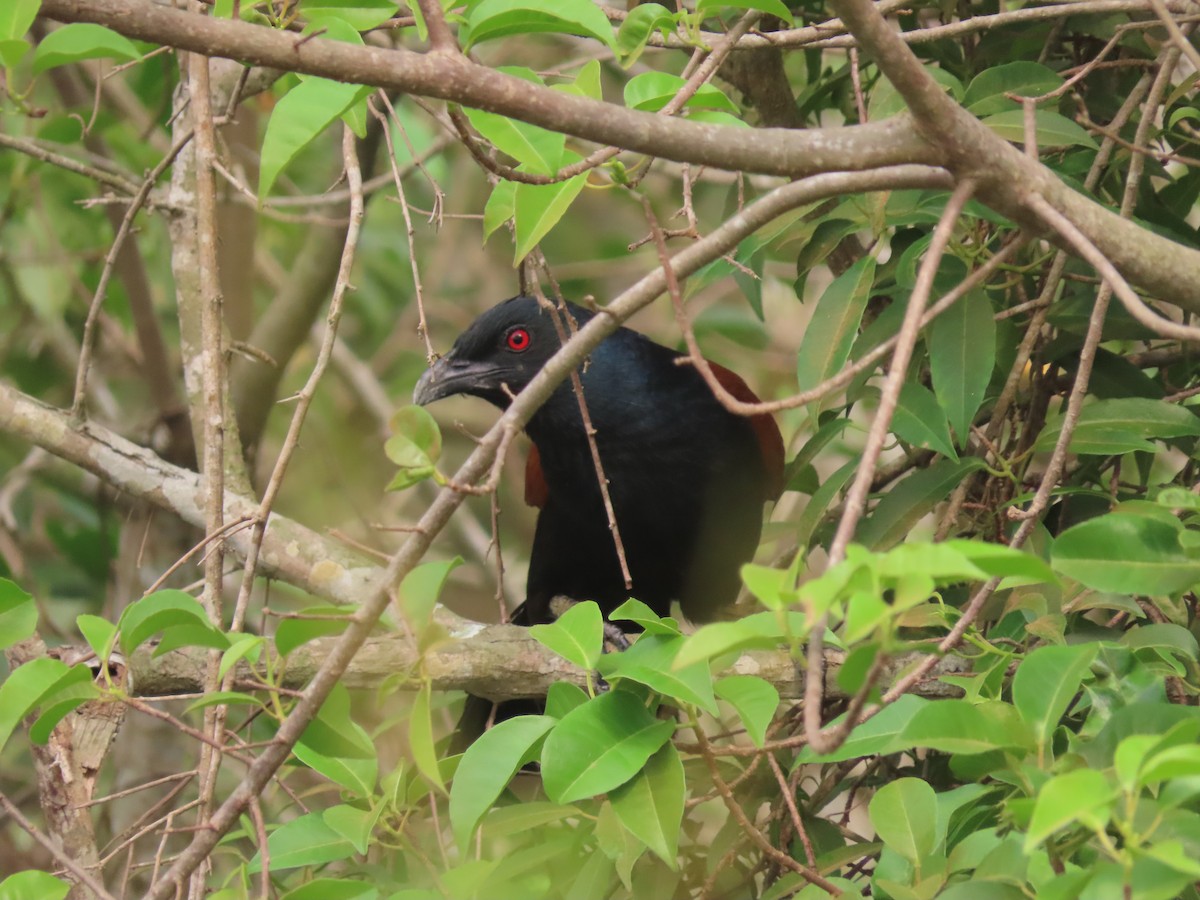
{"x": 500, "y": 662}
{"x": 1005, "y": 176}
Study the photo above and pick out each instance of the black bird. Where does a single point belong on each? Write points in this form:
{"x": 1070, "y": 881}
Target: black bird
{"x": 687, "y": 478}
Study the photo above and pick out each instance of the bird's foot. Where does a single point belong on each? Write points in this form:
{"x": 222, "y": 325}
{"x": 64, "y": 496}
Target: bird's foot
{"x": 615, "y": 636}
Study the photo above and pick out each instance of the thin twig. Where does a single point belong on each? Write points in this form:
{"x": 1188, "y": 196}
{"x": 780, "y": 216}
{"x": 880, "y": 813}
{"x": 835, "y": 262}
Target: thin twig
{"x": 87, "y": 342}
{"x": 856, "y": 497}
{"x": 80, "y": 874}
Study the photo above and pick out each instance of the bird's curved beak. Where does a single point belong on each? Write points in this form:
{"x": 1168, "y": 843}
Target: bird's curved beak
{"x": 449, "y": 376}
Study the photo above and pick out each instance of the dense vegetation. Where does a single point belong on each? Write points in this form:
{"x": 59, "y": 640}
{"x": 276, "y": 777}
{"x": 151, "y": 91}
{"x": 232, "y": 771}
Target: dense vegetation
{"x": 953, "y": 245}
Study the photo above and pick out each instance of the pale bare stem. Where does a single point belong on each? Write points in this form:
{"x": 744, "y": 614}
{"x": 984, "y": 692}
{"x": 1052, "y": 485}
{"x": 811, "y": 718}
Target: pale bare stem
{"x": 860, "y": 102}
{"x": 166, "y": 779}
{"x": 910, "y": 330}
{"x": 856, "y": 497}
{"x": 418, "y": 161}
{"x": 495, "y": 543}
{"x": 558, "y": 315}
{"x": 229, "y": 529}
{"x": 1134, "y": 304}
{"x": 108, "y": 176}
{"x": 213, "y": 358}
{"x": 789, "y": 799}
{"x": 441, "y": 38}
{"x": 1056, "y": 11}
{"x": 81, "y": 875}
{"x": 756, "y": 836}
{"x": 306, "y": 394}
{"x": 264, "y": 851}
{"x": 493, "y": 479}
{"x": 1178, "y": 38}
{"x": 1029, "y": 117}
{"x": 87, "y": 342}
{"x": 409, "y": 231}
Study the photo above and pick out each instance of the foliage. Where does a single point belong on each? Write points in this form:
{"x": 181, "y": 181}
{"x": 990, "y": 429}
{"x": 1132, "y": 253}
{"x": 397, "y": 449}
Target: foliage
{"x": 1009, "y": 701}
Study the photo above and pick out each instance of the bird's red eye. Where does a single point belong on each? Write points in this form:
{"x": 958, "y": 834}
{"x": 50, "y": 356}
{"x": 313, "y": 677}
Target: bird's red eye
{"x": 518, "y": 340}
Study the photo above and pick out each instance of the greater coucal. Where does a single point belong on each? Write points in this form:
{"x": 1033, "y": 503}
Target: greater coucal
{"x": 687, "y": 478}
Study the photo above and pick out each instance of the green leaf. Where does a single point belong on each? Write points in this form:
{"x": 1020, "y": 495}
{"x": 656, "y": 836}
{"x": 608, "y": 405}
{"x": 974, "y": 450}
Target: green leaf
{"x": 303, "y": 113}
{"x": 16, "y": 17}
{"x": 643, "y": 20}
{"x": 415, "y": 446}
{"x": 650, "y": 662}
{"x": 420, "y": 589}
{"x": 160, "y": 611}
{"x": 886, "y": 100}
{"x": 911, "y": 500}
{"x": 540, "y": 150}
{"x": 18, "y": 614}
{"x": 33, "y": 885}
{"x": 68, "y": 694}
{"x": 636, "y": 611}
{"x": 770, "y": 7}
{"x": 1046, "y": 682}
{"x": 538, "y": 207}
{"x": 99, "y": 633}
{"x": 564, "y": 697}
{"x": 880, "y": 734}
{"x": 1126, "y": 554}
{"x": 356, "y": 774}
{"x": 758, "y": 631}
{"x": 599, "y": 746}
{"x": 190, "y": 634}
{"x": 651, "y": 805}
{"x": 241, "y": 647}
{"x": 291, "y": 633}
{"x": 1121, "y": 425}
{"x": 651, "y": 91}
{"x": 1003, "y": 561}
{"x": 13, "y": 51}
{"x": 304, "y": 841}
{"x": 493, "y": 19}
{"x": 921, "y": 421}
{"x": 81, "y": 40}
{"x": 352, "y": 823}
{"x": 334, "y": 733}
{"x": 985, "y": 93}
{"x": 754, "y": 699}
{"x": 957, "y": 726}
{"x": 487, "y": 767}
{"x": 362, "y": 15}
{"x": 834, "y": 325}
{"x": 333, "y": 888}
{"x": 773, "y": 588}
{"x": 420, "y": 738}
{"x": 962, "y": 351}
{"x": 1052, "y": 129}
{"x": 1066, "y": 800}
{"x": 500, "y": 207}
{"x": 577, "y": 636}
{"x": 904, "y": 813}
{"x": 24, "y": 688}
{"x": 822, "y": 499}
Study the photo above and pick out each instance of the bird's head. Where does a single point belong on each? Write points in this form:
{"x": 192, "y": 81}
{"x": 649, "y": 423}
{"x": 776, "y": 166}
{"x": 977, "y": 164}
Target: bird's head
{"x": 495, "y": 357}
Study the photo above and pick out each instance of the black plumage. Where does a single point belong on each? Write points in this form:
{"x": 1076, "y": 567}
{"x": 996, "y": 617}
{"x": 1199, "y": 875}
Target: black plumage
{"x": 687, "y": 478}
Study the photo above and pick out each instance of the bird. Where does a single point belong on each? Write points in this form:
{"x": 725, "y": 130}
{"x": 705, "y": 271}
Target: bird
{"x": 687, "y": 478}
